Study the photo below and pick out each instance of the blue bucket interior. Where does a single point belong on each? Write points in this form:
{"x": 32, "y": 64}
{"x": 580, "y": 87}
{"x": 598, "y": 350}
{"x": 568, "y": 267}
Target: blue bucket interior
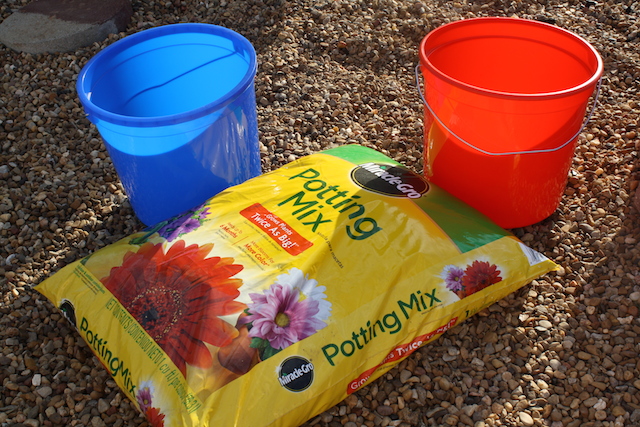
{"x": 175, "y": 106}
{"x": 166, "y": 80}
{"x": 165, "y": 76}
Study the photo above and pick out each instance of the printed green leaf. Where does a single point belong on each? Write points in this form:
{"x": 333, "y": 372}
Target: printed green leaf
{"x": 268, "y": 352}
{"x": 259, "y": 343}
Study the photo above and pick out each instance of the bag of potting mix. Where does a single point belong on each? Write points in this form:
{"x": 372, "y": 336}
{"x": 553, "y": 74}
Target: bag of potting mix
{"x": 277, "y": 298}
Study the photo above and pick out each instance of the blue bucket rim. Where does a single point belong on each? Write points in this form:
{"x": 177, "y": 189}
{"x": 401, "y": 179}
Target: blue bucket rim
{"x": 94, "y": 111}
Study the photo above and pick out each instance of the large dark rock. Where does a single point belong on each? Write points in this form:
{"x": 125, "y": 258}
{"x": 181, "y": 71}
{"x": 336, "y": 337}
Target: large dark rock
{"x": 63, "y": 25}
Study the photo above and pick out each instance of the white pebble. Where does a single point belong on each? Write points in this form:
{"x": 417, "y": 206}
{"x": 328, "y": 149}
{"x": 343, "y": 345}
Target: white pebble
{"x": 36, "y": 380}
{"x": 526, "y": 419}
{"x": 600, "y": 405}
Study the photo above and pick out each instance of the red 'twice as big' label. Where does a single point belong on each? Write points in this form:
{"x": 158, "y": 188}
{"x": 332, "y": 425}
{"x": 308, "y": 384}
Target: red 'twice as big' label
{"x": 285, "y": 236}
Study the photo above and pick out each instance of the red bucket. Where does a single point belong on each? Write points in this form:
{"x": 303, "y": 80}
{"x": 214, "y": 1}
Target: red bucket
{"x": 505, "y": 102}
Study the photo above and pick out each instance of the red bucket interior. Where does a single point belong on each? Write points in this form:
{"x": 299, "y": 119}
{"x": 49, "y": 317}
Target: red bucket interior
{"x": 513, "y": 56}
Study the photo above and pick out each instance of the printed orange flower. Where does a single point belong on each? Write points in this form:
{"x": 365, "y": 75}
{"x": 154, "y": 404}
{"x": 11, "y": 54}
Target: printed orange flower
{"x": 178, "y": 297}
{"x": 155, "y": 418}
{"x": 479, "y": 275}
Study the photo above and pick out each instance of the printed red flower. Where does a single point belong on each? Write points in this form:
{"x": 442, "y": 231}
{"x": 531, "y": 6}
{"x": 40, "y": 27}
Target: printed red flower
{"x": 155, "y": 418}
{"x": 479, "y": 275}
{"x": 178, "y": 297}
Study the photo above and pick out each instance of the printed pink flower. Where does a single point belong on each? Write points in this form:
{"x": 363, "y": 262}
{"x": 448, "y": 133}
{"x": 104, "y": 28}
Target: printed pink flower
{"x": 452, "y": 276}
{"x": 144, "y": 398}
{"x": 281, "y": 318}
{"x": 309, "y": 288}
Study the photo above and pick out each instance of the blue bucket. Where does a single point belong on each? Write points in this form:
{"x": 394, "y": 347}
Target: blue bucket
{"x": 175, "y": 106}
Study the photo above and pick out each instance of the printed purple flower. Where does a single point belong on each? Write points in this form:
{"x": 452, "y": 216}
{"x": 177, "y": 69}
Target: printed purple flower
{"x": 281, "y": 318}
{"x": 185, "y": 226}
{"x": 144, "y": 398}
{"x": 184, "y": 223}
{"x": 202, "y": 214}
{"x": 453, "y": 276}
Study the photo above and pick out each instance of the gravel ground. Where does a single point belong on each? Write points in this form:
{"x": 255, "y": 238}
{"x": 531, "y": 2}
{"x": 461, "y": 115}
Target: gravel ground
{"x": 563, "y": 351}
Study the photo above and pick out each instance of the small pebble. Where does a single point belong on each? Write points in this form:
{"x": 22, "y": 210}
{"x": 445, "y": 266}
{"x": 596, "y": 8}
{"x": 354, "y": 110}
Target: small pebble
{"x": 526, "y": 419}
{"x": 545, "y": 324}
{"x": 384, "y": 410}
{"x": 44, "y": 391}
{"x": 36, "y": 380}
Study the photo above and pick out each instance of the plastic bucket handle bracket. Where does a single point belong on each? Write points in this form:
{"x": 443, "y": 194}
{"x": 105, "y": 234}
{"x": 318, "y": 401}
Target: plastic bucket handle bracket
{"x": 508, "y": 153}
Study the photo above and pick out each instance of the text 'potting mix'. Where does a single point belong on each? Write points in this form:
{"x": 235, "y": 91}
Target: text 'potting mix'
{"x": 379, "y": 178}
{"x": 328, "y": 195}
{"x": 391, "y": 323}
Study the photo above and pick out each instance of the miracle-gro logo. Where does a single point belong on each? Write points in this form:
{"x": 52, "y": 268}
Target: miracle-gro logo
{"x": 390, "y": 180}
{"x": 296, "y": 373}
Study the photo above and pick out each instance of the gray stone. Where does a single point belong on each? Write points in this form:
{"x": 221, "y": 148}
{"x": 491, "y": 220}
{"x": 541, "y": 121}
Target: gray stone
{"x": 44, "y": 391}
{"x": 63, "y": 25}
{"x": 103, "y": 406}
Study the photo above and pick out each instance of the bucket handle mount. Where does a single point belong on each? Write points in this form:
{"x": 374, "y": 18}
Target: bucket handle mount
{"x": 510, "y": 153}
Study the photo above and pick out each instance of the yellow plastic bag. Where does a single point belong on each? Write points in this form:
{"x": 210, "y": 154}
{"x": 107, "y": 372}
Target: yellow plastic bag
{"x": 277, "y": 298}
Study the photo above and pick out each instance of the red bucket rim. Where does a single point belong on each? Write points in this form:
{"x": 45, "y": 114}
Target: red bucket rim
{"x": 586, "y": 85}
